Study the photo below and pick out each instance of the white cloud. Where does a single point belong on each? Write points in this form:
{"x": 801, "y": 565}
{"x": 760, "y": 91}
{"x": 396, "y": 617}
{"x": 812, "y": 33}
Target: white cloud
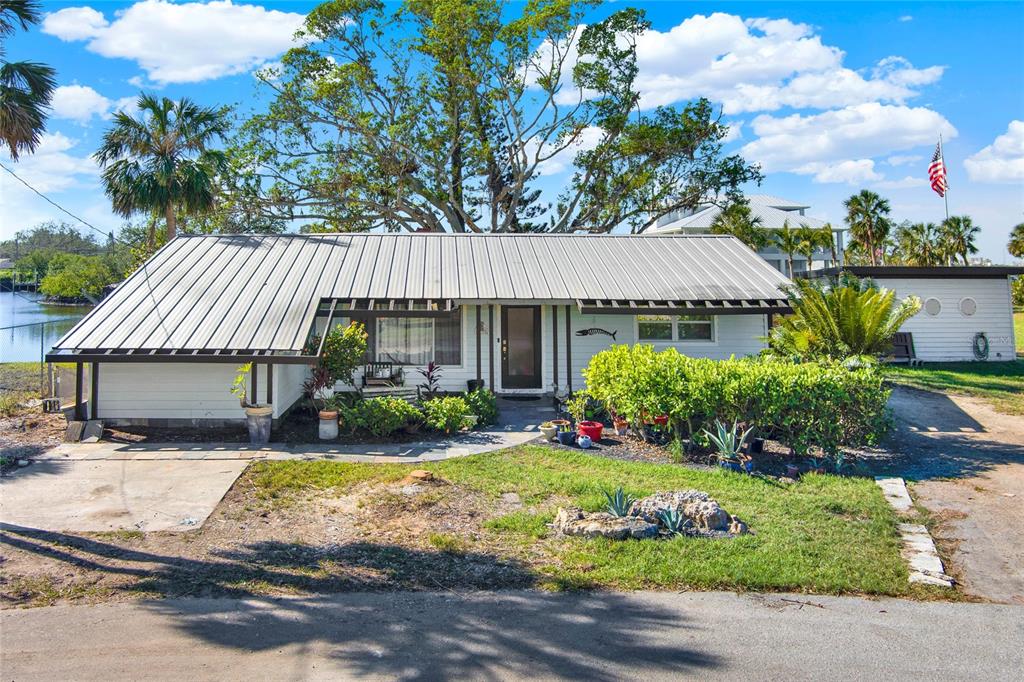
{"x": 907, "y": 182}
{"x": 75, "y": 23}
{"x": 588, "y": 139}
{"x": 52, "y": 169}
{"x": 182, "y": 43}
{"x": 758, "y": 65}
{"x": 904, "y": 159}
{"x": 810, "y": 143}
{"x": 734, "y": 132}
{"x": 1002, "y": 161}
{"x": 906, "y": 17}
{"x": 79, "y": 103}
{"x": 850, "y": 171}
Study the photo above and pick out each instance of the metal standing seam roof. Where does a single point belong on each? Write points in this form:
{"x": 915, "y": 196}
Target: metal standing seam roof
{"x": 262, "y": 292}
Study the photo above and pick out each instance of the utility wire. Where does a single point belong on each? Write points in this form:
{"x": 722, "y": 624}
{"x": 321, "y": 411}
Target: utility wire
{"x": 106, "y": 235}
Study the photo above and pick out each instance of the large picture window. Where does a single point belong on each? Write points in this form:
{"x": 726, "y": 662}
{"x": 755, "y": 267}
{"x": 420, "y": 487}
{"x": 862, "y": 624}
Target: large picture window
{"x": 418, "y": 340}
{"x": 667, "y": 328}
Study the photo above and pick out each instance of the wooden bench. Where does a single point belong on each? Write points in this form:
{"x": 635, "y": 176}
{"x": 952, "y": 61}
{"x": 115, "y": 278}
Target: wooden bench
{"x": 382, "y": 374}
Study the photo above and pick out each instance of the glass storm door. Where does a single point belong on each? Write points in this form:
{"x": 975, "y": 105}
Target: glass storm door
{"x": 520, "y": 347}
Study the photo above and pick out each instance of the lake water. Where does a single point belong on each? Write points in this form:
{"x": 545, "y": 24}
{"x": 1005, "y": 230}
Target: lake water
{"x": 21, "y": 344}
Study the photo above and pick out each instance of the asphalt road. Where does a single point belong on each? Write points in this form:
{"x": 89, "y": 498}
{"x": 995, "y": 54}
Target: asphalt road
{"x": 516, "y": 635}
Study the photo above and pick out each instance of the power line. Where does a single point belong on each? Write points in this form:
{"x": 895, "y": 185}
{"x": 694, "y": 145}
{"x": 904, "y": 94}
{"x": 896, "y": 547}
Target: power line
{"x": 107, "y": 235}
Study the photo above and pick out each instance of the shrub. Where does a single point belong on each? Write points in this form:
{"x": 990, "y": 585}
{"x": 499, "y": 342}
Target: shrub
{"x": 71, "y": 276}
{"x": 801, "y": 405}
{"x": 344, "y": 351}
{"x": 445, "y": 414}
{"x": 379, "y": 416}
{"x": 484, "y": 404}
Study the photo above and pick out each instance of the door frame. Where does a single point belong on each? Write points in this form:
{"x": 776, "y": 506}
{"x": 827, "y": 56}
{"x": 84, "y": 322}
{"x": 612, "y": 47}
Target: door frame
{"x": 516, "y": 383}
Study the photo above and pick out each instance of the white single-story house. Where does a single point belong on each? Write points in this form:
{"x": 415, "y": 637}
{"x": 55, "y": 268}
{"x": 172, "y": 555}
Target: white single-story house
{"x": 957, "y": 304}
{"x": 521, "y": 313}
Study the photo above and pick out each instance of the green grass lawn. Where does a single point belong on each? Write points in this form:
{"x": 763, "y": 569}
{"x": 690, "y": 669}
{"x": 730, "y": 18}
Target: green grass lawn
{"x": 19, "y": 381}
{"x": 822, "y": 534}
{"x": 1002, "y": 383}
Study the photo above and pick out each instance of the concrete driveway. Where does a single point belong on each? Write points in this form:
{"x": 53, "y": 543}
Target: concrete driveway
{"x": 104, "y": 495}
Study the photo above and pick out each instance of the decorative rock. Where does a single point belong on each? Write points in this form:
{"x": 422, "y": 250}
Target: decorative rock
{"x": 419, "y": 476}
{"x": 23, "y": 462}
{"x": 695, "y": 505}
{"x": 574, "y": 521}
{"x": 737, "y": 527}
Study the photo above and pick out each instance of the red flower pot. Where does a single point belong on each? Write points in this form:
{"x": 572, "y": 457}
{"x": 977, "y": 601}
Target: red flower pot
{"x": 661, "y": 420}
{"x": 592, "y": 429}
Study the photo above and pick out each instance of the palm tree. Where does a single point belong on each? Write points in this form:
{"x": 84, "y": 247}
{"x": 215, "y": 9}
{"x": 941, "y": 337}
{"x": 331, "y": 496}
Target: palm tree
{"x": 851, "y": 318}
{"x": 736, "y": 219}
{"x": 920, "y": 244}
{"x": 25, "y": 87}
{"x": 1016, "y": 243}
{"x": 161, "y": 162}
{"x": 867, "y": 217}
{"x": 826, "y": 239}
{"x": 789, "y": 242}
{"x": 957, "y": 235}
{"x": 810, "y": 241}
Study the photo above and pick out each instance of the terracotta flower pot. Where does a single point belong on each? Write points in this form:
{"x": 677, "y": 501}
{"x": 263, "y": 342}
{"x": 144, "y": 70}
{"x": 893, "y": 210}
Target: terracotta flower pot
{"x": 328, "y": 424}
{"x": 621, "y": 427}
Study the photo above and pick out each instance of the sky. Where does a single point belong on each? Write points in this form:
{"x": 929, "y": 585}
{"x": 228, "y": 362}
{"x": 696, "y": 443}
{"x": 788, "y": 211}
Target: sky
{"x": 828, "y": 97}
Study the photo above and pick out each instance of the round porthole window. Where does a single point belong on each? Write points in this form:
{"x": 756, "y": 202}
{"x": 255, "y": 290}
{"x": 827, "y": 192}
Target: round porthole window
{"x": 932, "y": 306}
{"x": 968, "y": 306}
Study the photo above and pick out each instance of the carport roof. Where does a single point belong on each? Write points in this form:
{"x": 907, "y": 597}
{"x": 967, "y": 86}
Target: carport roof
{"x": 259, "y": 294}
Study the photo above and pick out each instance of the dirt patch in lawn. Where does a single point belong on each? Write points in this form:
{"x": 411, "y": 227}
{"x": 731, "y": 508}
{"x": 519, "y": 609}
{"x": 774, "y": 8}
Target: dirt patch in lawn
{"x": 28, "y": 432}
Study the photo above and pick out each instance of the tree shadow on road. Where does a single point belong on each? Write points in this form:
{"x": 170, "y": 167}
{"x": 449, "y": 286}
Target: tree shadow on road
{"x": 387, "y": 623}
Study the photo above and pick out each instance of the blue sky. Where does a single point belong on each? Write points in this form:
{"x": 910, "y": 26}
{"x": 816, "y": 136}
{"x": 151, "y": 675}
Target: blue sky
{"x": 830, "y": 97}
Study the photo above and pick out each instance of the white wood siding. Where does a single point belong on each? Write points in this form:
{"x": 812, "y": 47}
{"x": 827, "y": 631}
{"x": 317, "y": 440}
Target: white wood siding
{"x": 172, "y": 390}
{"x": 949, "y": 335}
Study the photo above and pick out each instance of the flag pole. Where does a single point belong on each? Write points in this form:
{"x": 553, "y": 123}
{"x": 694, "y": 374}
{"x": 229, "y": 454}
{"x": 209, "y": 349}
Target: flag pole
{"x": 945, "y": 193}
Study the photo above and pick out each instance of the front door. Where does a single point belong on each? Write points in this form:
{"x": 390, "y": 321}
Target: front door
{"x": 520, "y": 347}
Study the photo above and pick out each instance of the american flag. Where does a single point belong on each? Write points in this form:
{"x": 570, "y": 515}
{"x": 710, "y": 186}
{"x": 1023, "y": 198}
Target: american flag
{"x": 937, "y": 172}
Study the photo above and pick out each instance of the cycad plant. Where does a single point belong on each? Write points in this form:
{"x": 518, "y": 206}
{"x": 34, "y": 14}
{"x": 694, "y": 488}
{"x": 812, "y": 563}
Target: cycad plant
{"x": 850, "y": 318}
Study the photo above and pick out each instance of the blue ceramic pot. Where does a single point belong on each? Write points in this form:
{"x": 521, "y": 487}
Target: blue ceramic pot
{"x": 730, "y": 466}
{"x": 584, "y": 442}
{"x": 566, "y": 437}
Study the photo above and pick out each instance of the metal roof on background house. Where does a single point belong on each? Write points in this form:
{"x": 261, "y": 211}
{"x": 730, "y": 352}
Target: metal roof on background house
{"x": 260, "y": 293}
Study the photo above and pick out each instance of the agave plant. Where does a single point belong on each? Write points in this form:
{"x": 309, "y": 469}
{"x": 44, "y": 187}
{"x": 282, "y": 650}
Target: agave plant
{"x": 619, "y": 502}
{"x": 727, "y": 441}
{"x": 674, "y": 522}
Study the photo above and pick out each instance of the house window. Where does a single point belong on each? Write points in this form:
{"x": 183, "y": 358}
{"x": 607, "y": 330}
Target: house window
{"x": 933, "y": 306}
{"x": 419, "y": 340}
{"x": 654, "y": 327}
{"x": 968, "y": 306}
{"x": 676, "y": 328}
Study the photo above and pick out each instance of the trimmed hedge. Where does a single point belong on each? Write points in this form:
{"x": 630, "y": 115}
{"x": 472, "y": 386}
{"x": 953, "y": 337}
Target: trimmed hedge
{"x": 379, "y": 416}
{"x": 800, "y": 405}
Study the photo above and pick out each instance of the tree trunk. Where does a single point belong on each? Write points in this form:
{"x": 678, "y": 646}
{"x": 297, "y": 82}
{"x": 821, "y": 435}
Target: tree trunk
{"x": 172, "y": 222}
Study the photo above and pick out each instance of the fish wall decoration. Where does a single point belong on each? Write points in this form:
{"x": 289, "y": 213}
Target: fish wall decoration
{"x": 590, "y": 331}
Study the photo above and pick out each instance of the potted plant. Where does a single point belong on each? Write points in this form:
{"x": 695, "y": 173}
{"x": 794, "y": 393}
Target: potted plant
{"x": 257, "y": 417}
{"x": 566, "y": 436}
{"x": 729, "y": 447}
{"x": 592, "y": 430}
{"x": 318, "y": 388}
{"x": 792, "y": 470}
{"x": 548, "y": 430}
{"x": 470, "y": 421}
{"x": 620, "y": 424}
{"x": 560, "y": 424}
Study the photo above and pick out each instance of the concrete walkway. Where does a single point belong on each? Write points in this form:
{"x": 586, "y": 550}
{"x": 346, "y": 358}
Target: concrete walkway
{"x": 515, "y": 636}
{"x": 519, "y": 423}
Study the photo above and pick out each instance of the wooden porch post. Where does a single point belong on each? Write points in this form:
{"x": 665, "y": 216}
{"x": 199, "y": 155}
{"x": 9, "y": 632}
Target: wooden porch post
{"x": 479, "y": 360}
{"x": 254, "y": 376}
{"x": 490, "y": 339}
{"x": 94, "y": 394}
{"x": 554, "y": 344}
{"x": 270, "y": 384}
{"x": 568, "y": 347}
{"x": 79, "y": 411}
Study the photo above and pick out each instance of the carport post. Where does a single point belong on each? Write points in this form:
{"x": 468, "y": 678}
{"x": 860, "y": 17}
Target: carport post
{"x": 79, "y": 378}
{"x": 94, "y": 394}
